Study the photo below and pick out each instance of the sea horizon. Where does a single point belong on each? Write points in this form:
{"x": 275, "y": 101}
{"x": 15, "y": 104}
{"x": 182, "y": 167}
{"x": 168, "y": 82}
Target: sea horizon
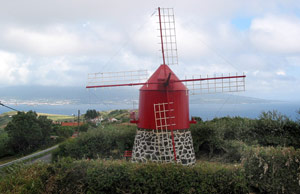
{"x": 205, "y": 111}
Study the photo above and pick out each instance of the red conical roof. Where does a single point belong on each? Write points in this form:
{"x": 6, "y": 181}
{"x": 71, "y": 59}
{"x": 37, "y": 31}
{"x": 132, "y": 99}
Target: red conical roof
{"x": 160, "y": 76}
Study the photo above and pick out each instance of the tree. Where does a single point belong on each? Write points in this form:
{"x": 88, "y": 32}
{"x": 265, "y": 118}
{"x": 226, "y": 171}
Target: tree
{"x": 27, "y": 131}
{"x": 83, "y": 128}
{"x": 91, "y": 114}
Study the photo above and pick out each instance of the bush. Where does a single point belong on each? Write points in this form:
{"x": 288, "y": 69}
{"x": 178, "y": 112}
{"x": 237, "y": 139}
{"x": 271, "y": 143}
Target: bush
{"x": 275, "y": 129}
{"x": 66, "y": 176}
{"x": 62, "y": 131}
{"x": 273, "y": 170}
{"x": 207, "y": 140}
{"x": 234, "y": 150}
{"x": 100, "y": 176}
{"x": 24, "y": 179}
{"x": 84, "y": 127}
{"x": 4, "y": 149}
{"x": 110, "y": 142}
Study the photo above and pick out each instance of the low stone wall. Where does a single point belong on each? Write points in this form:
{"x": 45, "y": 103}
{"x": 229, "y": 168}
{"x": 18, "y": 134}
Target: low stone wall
{"x": 150, "y": 145}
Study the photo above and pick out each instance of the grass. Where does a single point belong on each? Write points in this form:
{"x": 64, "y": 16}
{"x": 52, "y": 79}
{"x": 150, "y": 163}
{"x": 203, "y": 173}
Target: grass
{"x": 7, "y": 116}
{"x": 56, "y": 117}
{"x": 9, "y": 159}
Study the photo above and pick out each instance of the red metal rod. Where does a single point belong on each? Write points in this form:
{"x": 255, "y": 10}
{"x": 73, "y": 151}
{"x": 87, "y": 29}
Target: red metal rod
{"x": 171, "y": 81}
{"x": 161, "y": 36}
{"x": 173, "y": 144}
{"x": 171, "y": 127}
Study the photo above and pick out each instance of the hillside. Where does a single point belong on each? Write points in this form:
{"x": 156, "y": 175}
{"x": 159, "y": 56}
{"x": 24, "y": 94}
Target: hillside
{"x": 6, "y": 117}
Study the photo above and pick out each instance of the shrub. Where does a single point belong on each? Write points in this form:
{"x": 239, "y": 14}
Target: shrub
{"x": 66, "y": 176}
{"x": 63, "y": 131}
{"x": 4, "y": 149}
{"x": 84, "y": 127}
{"x": 24, "y": 179}
{"x": 108, "y": 142}
{"x": 100, "y": 176}
{"x": 234, "y": 150}
{"x": 207, "y": 140}
{"x": 274, "y": 129}
{"x": 273, "y": 170}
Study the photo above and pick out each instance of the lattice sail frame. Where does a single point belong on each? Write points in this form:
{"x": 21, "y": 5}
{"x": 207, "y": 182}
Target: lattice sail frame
{"x": 164, "y": 122}
{"x": 117, "y": 78}
{"x": 163, "y": 116}
{"x": 168, "y": 36}
{"x": 216, "y": 84}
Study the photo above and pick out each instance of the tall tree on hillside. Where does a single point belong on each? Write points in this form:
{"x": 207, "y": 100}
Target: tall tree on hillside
{"x": 27, "y": 131}
{"x": 91, "y": 114}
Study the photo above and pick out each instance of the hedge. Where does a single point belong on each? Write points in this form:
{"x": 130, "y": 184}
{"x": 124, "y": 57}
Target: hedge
{"x": 100, "y": 176}
{"x": 108, "y": 142}
{"x": 272, "y": 170}
{"x": 223, "y": 138}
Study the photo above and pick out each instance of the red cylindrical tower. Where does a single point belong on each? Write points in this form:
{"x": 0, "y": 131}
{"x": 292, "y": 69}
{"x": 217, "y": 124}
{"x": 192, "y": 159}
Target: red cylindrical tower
{"x": 162, "y": 88}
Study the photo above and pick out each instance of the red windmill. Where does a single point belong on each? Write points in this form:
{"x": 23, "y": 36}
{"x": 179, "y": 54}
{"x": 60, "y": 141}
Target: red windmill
{"x": 163, "y": 123}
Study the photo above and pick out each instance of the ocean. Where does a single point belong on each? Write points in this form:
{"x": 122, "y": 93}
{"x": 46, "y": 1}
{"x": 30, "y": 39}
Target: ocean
{"x": 205, "y": 111}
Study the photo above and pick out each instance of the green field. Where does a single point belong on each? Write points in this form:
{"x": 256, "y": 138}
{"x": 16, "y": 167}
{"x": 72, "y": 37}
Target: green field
{"x": 7, "y": 116}
{"x": 55, "y": 117}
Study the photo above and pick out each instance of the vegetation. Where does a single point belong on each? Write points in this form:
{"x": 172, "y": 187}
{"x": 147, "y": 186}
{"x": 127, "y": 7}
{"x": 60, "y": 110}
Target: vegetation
{"x": 223, "y": 139}
{"x": 272, "y": 170}
{"x": 56, "y": 117}
{"x": 108, "y": 142}
{"x": 237, "y": 155}
{"x": 5, "y": 118}
{"x": 121, "y": 115}
{"x": 27, "y": 132}
{"x": 100, "y": 176}
{"x": 91, "y": 114}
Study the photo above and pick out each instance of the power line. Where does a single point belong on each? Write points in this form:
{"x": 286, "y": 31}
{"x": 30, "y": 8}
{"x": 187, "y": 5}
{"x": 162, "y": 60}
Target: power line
{"x": 8, "y": 107}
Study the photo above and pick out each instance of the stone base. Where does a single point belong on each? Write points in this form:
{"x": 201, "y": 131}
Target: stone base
{"x": 150, "y": 145}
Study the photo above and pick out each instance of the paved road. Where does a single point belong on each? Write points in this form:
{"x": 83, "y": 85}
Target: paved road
{"x": 31, "y": 156}
{"x": 46, "y": 158}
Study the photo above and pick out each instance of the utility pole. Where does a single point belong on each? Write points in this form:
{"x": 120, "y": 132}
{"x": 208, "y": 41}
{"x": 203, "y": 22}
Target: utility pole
{"x": 78, "y": 121}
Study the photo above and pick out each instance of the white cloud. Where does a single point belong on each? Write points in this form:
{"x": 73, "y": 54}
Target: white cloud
{"x": 274, "y": 33}
{"x": 58, "y": 43}
{"x": 280, "y": 72}
{"x": 13, "y": 70}
{"x": 53, "y": 41}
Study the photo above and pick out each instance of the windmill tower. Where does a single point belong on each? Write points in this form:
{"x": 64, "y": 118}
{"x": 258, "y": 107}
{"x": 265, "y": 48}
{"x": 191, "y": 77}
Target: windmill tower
{"x": 163, "y": 123}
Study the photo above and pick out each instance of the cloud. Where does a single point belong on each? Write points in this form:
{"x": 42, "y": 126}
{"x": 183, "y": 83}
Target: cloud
{"x": 58, "y": 43}
{"x": 13, "y": 70}
{"x": 273, "y": 33}
{"x": 280, "y": 72}
{"x": 54, "y": 41}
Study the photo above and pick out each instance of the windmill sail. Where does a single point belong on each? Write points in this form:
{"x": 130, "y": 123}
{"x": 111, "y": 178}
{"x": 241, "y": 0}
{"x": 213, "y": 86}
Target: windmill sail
{"x": 122, "y": 78}
{"x": 168, "y": 36}
{"x": 215, "y": 84}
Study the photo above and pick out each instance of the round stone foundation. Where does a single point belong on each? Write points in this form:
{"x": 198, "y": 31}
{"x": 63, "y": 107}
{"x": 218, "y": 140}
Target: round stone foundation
{"x": 150, "y": 145}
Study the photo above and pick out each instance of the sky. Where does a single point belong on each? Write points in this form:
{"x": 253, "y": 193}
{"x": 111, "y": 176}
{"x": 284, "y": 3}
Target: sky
{"x": 57, "y": 43}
